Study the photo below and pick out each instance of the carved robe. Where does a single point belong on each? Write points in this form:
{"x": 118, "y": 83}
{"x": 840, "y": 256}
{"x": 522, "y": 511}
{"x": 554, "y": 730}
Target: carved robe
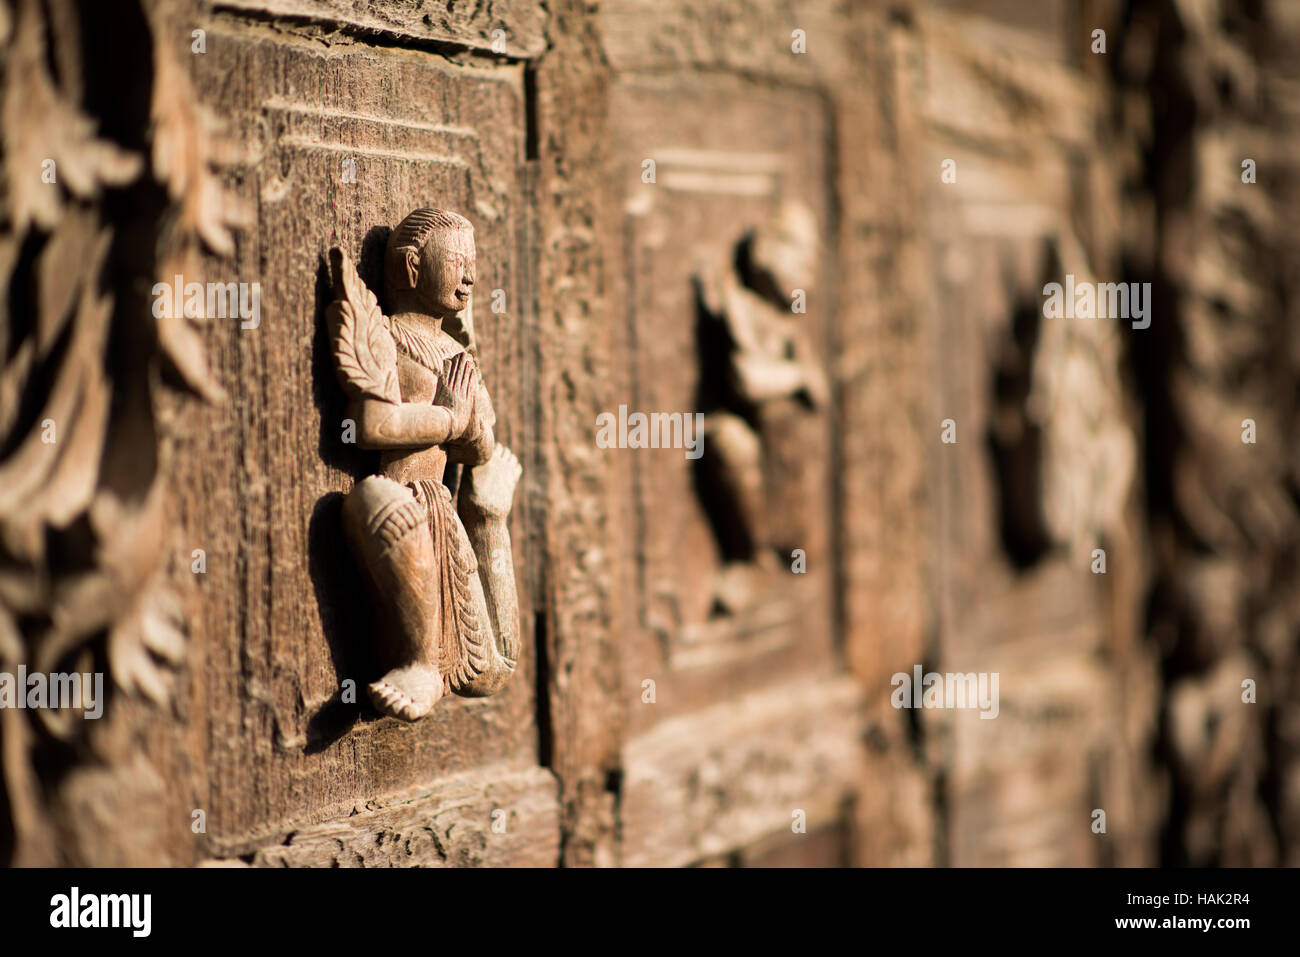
{"x": 463, "y": 636}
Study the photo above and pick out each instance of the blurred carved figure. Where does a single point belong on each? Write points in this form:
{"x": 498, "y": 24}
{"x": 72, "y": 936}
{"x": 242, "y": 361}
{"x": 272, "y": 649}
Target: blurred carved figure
{"x": 439, "y": 572}
{"x": 772, "y": 382}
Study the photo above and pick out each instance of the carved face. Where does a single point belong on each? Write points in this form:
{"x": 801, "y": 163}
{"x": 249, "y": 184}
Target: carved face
{"x": 447, "y": 270}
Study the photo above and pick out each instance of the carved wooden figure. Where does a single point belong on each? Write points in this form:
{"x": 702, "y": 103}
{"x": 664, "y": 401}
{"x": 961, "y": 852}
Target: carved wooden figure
{"x": 439, "y": 572}
{"x": 773, "y": 380}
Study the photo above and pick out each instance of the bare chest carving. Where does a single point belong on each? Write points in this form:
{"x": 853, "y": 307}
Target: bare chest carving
{"x": 438, "y": 569}
{"x": 416, "y": 382}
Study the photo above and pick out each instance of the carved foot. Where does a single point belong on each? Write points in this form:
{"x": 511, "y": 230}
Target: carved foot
{"x": 491, "y": 486}
{"x": 409, "y": 692}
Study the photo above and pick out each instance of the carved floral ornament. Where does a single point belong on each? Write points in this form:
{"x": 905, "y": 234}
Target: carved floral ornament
{"x": 438, "y": 567}
{"x": 89, "y": 579}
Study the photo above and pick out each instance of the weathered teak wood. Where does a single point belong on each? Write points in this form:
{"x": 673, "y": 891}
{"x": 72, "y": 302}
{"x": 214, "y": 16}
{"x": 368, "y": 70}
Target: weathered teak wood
{"x": 749, "y": 767}
{"x": 295, "y": 147}
{"x": 340, "y": 624}
{"x": 513, "y": 28}
{"x": 489, "y": 817}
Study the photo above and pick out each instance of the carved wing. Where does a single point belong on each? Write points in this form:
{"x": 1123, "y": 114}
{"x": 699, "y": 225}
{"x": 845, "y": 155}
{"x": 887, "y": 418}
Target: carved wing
{"x": 365, "y": 355}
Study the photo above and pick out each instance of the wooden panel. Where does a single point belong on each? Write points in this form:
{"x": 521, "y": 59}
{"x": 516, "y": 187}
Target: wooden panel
{"x": 722, "y": 170}
{"x": 467, "y": 25}
{"x": 491, "y": 817}
{"x": 284, "y": 618}
{"x": 740, "y": 37}
{"x": 824, "y": 847}
{"x": 700, "y": 785}
{"x": 1016, "y": 596}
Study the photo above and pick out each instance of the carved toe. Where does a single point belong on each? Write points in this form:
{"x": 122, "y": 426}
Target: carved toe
{"x": 391, "y": 698}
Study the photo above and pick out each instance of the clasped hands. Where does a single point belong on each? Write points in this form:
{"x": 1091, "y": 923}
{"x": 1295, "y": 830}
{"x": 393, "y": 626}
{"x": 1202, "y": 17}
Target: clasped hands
{"x": 457, "y": 390}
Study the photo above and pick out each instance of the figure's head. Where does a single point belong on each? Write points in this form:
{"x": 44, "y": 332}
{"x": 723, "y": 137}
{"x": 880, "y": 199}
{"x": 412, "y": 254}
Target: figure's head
{"x": 430, "y": 256}
{"x": 784, "y": 251}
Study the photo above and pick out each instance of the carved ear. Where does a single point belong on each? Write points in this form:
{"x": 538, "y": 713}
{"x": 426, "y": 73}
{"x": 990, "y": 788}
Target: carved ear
{"x": 412, "y": 266}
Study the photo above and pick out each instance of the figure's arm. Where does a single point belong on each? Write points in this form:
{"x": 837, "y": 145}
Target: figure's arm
{"x": 490, "y": 538}
{"x": 383, "y": 423}
{"x": 400, "y": 425}
{"x": 760, "y": 378}
{"x": 483, "y": 506}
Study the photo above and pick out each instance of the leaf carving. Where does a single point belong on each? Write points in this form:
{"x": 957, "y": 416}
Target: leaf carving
{"x": 365, "y": 354}
{"x": 42, "y": 122}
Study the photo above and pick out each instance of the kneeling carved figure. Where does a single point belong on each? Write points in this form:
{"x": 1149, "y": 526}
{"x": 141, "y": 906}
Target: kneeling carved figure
{"x": 439, "y": 572}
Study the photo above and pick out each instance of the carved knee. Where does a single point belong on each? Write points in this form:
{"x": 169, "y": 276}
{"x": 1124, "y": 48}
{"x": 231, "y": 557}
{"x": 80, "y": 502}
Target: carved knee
{"x": 381, "y": 512}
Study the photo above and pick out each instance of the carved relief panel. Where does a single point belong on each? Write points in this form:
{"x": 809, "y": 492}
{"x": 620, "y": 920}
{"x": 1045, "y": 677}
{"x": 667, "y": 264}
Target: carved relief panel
{"x": 323, "y": 639}
{"x": 1043, "y": 469}
{"x": 732, "y": 656}
{"x": 727, "y": 320}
